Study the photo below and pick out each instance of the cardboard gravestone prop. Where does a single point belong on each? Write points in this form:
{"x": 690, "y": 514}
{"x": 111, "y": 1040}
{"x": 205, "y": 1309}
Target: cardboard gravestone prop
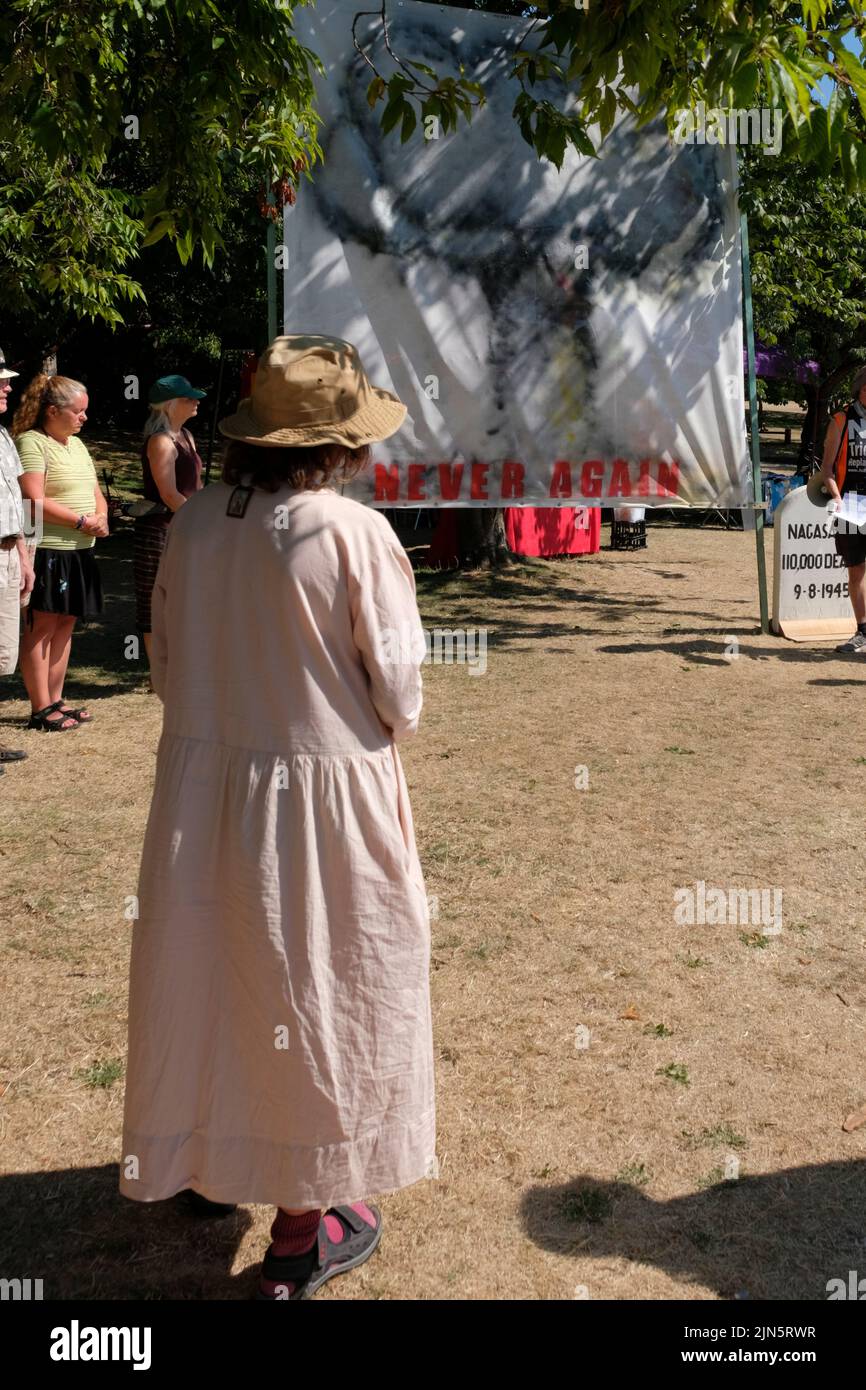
{"x": 810, "y": 581}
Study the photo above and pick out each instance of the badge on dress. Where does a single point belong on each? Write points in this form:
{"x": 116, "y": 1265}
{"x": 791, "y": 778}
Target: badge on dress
{"x": 239, "y": 501}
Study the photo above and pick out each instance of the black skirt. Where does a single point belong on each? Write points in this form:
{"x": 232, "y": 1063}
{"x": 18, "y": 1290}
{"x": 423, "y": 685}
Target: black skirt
{"x": 67, "y": 582}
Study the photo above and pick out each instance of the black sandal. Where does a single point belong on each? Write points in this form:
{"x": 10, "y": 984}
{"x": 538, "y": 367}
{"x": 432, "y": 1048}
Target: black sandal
{"x": 39, "y": 720}
{"x": 310, "y": 1271}
{"x": 79, "y": 715}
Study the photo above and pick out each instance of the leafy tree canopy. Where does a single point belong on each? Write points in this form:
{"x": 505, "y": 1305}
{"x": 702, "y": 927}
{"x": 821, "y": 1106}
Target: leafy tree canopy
{"x": 656, "y": 58}
{"x": 120, "y": 121}
{"x": 128, "y": 122}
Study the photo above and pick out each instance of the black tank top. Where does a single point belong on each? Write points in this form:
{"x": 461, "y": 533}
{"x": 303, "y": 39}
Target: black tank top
{"x": 855, "y": 451}
{"x": 187, "y": 468}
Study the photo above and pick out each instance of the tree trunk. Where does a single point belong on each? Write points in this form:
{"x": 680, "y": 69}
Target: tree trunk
{"x": 481, "y": 539}
{"x": 809, "y": 432}
{"x": 818, "y": 399}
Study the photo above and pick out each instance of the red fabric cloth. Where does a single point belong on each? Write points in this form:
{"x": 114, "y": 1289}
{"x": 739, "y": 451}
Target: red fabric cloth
{"x": 540, "y": 531}
{"x": 442, "y": 550}
{"x": 553, "y": 530}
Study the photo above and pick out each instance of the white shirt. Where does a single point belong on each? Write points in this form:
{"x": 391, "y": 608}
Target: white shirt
{"x": 11, "y": 502}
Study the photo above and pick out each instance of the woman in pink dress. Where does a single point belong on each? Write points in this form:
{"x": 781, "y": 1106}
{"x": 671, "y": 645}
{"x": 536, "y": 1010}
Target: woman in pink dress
{"x": 280, "y": 1041}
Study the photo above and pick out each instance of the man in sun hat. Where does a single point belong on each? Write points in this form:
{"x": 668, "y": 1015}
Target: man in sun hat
{"x": 280, "y": 1039}
{"x": 16, "y": 571}
{"x": 843, "y": 471}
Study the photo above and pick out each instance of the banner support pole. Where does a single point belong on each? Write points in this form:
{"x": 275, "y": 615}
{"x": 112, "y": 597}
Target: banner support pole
{"x": 754, "y": 433}
{"x": 272, "y": 270}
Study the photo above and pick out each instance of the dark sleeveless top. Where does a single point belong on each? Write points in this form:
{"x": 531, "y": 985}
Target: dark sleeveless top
{"x": 850, "y": 463}
{"x": 187, "y": 468}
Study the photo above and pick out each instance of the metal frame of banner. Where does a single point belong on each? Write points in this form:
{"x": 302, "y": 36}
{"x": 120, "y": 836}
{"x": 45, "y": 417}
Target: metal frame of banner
{"x": 755, "y": 438}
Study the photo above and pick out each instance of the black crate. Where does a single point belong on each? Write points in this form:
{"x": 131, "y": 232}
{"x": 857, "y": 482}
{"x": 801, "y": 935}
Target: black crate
{"x": 628, "y": 535}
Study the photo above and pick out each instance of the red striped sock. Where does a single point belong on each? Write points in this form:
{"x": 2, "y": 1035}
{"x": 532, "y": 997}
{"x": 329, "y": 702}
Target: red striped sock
{"x": 290, "y": 1235}
{"x": 294, "y": 1235}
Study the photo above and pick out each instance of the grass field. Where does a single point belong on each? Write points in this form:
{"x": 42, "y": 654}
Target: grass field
{"x": 600, "y": 1068}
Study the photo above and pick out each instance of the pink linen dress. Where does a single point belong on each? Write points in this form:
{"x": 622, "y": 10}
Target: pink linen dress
{"x": 280, "y": 1039}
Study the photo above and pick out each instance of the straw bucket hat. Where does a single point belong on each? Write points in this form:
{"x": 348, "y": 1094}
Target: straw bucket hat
{"x": 311, "y": 389}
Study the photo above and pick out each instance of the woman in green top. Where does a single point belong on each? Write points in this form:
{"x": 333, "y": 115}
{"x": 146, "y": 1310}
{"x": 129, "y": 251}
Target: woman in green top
{"x": 59, "y": 474}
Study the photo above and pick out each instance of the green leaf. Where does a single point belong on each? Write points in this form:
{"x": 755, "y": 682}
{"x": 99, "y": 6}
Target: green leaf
{"x": 393, "y": 112}
{"x": 745, "y": 84}
{"x": 606, "y": 112}
{"x": 835, "y": 116}
{"x": 158, "y": 231}
{"x": 788, "y": 91}
{"x": 409, "y": 123}
{"x": 815, "y": 144}
{"x": 375, "y": 90}
{"x": 800, "y": 86}
{"x": 853, "y": 68}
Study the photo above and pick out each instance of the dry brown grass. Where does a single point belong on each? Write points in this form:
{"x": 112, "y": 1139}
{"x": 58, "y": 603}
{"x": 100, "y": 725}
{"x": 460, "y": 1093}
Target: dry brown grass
{"x": 560, "y": 1167}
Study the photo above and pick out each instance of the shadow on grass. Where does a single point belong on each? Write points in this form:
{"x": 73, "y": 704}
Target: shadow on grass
{"x": 775, "y": 1236}
{"x": 703, "y": 652}
{"x": 72, "y": 1229}
{"x": 778, "y": 1235}
{"x": 838, "y": 682}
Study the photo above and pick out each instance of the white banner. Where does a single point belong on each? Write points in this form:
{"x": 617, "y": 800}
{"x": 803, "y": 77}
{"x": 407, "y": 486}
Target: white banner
{"x": 560, "y": 338}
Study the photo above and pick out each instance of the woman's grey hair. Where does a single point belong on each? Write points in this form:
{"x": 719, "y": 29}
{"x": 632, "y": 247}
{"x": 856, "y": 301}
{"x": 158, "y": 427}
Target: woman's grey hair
{"x": 157, "y": 421}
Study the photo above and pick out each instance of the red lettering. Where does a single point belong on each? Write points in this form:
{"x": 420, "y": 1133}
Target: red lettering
{"x": 450, "y": 478}
{"x": 478, "y": 484}
{"x": 590, "y": 478}
{"x": 560, "y": 482}
{"x": 620, "y": 482}
{"x": 643, "y": 482}
{"x": 512, "y": 478}
{"x": 416, "y": 491}
{"x": 387, "y": 482}
{"x": 669, "y": 479}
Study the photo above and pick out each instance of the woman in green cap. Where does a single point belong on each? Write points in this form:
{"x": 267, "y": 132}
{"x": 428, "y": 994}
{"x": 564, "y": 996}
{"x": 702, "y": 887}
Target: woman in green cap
{"x": 171, "y": 468}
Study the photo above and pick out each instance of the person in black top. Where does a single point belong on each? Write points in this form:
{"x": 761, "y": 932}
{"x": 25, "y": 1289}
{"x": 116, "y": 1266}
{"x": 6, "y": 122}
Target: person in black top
{"x": 844, "y": 471}
{"x": 171, "y": 470}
